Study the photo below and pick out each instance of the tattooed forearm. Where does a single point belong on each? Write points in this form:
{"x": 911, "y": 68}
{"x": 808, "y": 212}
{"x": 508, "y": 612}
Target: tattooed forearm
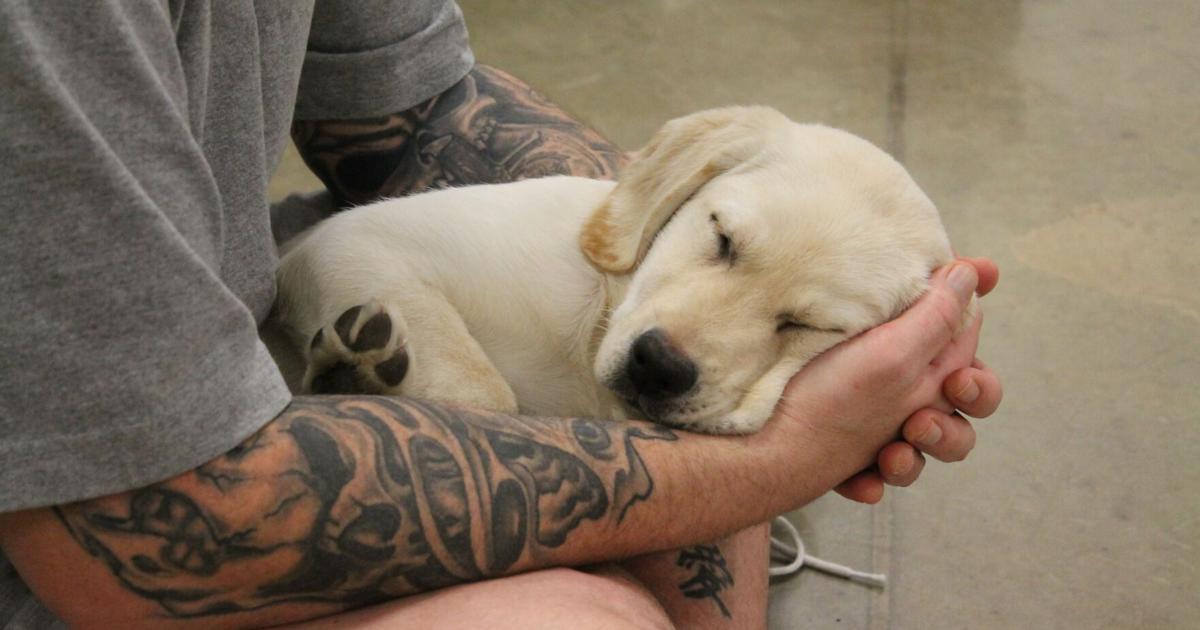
{"x": 710, "y": 574}
{"x": 488, "y": 128}
{"x": 355, "y": 500}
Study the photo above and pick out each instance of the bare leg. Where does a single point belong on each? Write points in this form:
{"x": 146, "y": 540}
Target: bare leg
{"x": 721, "y": 585}
{"x": 604, "y": 599}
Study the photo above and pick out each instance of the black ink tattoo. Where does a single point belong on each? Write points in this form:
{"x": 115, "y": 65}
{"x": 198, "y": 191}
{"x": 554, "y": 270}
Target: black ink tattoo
{"x": 712, "y": 575}
{"x": 488, "y": 128}
{"x": 635, "y": 483}
{"x": 358, "y": 499}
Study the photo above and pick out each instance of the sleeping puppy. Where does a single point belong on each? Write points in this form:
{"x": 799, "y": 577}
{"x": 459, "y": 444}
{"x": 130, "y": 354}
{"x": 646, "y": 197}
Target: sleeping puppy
{"x": 735, "y": 247}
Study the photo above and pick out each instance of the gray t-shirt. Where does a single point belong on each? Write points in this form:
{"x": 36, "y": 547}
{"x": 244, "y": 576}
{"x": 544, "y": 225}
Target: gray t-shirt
{"x": 136, "y": 259}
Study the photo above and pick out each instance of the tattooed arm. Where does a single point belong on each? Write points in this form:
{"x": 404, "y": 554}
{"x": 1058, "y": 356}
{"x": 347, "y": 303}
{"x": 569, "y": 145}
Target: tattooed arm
{"x": 341, "y": 502}
{"x": 488, "y": 128}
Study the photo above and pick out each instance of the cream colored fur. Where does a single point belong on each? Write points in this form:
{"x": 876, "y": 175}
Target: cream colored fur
{"x": 528, "y": 296}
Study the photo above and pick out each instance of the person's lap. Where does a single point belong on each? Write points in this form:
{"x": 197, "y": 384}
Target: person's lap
{"x": 602, "y": 597}
{"x": 642, "y": 592}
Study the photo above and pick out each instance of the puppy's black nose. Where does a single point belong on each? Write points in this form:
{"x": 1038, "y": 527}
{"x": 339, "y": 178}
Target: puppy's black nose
{"x": 656, "y": 369}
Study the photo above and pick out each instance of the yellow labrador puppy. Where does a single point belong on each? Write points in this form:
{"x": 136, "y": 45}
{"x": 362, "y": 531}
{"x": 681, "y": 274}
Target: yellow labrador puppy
{"x": 734, "y": 248}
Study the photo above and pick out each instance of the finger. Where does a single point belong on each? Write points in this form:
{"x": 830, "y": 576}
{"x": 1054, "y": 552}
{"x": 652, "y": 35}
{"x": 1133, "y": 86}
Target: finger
{"x": 973, "y": 391}
{"x": 865, "y": 487}
{"x": 946, "y": 437}
{"x": 960, "y": 352}
{"x": 900, "y": 464}
{"x": 927, "y": 326}
{"x": 957, "y": 355}
{"x": 989, "y": 273}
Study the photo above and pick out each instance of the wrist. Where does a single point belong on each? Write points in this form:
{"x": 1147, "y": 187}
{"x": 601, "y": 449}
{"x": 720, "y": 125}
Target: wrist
{"x": 812, "y": 453}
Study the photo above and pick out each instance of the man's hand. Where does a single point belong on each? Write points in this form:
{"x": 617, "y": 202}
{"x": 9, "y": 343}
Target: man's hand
{"x": 940, "y": 429}
{"x": 899, "y": 380}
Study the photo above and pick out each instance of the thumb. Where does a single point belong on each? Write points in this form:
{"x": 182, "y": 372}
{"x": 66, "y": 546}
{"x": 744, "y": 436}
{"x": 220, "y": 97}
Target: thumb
{"x": 927, "y": 326}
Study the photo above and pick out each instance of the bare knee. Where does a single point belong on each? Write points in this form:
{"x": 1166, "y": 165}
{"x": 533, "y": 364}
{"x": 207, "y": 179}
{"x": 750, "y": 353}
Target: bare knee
{"x": 607, "y": 596}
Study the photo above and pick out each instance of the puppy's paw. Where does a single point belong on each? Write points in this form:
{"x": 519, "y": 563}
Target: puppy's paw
{"x": 363, "y": 352}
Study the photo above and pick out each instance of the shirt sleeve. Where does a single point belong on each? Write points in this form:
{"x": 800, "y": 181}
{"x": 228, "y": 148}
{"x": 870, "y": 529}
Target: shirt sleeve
{"x": 124, "y": 357}
{"x": 378, "y": 57}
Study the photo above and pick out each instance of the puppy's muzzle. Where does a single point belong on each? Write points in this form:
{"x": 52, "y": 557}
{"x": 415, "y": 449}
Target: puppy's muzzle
{"x": 656, "y": 370}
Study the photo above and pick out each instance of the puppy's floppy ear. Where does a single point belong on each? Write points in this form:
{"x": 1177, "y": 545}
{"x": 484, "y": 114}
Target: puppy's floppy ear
{"x": 684, "y": 155}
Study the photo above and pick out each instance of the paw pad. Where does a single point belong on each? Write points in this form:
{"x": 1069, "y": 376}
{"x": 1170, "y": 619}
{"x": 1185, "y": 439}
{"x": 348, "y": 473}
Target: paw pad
{"x": 362, "y": 352}
{"x": 393, "y": 370}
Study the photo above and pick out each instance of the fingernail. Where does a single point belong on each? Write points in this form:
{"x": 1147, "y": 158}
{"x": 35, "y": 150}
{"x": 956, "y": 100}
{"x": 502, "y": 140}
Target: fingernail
{"x": 901, "y": 468}
{"x": 969, "y": 392}
{"x": 931, "y": 436}
{"x": 962, "y": 279}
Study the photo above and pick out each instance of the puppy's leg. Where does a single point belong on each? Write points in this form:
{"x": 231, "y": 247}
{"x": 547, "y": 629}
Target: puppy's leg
{"x": 452, "y": 366}
{"x": 423, "y": 350}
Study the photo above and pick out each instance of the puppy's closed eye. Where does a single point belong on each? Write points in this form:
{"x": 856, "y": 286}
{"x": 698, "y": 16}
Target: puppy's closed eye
{"x": 787, "y": 324}
{"x": 725, "y": 250}
{"x": 791, "y": 323}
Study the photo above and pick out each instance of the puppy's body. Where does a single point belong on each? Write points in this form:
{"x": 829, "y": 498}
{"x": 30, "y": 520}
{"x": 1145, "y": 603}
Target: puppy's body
{"x": 736, "y": 247}
{"x": 529, "y": 297}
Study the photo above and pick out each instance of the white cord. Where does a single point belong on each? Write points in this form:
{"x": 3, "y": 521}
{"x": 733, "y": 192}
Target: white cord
{"x": 799, "y": 559}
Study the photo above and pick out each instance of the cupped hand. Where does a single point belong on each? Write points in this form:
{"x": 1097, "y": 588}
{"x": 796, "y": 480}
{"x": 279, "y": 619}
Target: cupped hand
{"x": 939, "y": 428}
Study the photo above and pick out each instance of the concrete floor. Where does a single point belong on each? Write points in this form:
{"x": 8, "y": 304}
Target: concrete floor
{"x": 1061, "y": 139}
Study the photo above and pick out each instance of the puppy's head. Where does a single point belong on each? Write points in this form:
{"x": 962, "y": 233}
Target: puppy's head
{"x": 754, "y": 243}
